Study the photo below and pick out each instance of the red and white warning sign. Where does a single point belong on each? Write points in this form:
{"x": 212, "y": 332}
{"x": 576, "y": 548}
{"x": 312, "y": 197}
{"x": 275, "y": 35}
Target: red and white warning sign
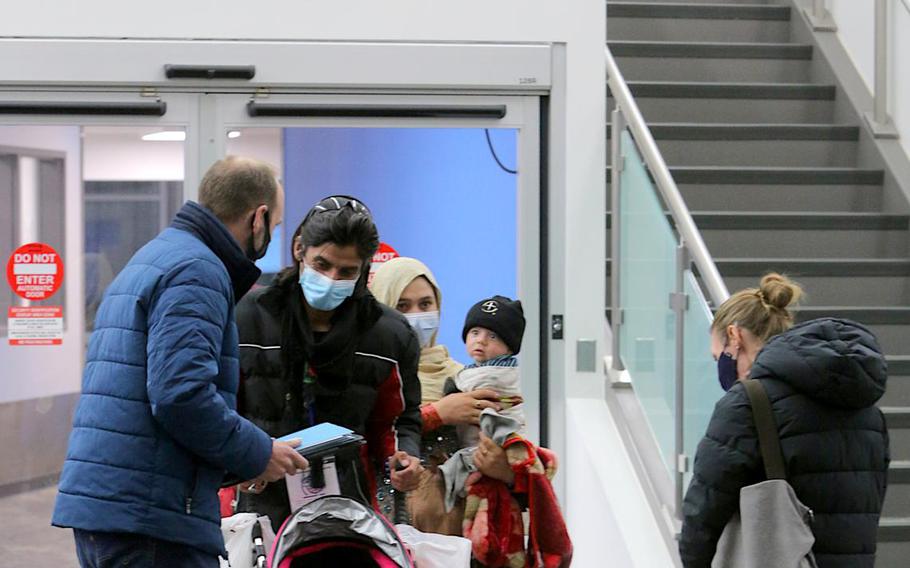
{"x": 384, "y": 254}
{"x": 35, "y": 271}
{"x": 35, "y": 325}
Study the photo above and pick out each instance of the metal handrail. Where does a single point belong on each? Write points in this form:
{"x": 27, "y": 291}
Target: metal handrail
{"x": 698, "y": 252}
{"x": 880, "y": 100}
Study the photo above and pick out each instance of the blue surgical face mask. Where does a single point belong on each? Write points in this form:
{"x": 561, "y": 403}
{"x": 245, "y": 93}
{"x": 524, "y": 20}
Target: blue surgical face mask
{"x": 425, "y": 325}
{"x": 323, "y": 293}
{"x": 726, "y": 371}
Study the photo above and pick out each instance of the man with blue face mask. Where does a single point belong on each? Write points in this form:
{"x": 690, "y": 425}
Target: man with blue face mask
{"x": 316, "y": 346}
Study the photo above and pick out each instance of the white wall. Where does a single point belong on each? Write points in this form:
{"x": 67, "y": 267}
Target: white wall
{"x": 609, "y": 514}
{"x": 409, "y": 20}
{"x": 856, "y": 31}
{"x": 43, "y": 371}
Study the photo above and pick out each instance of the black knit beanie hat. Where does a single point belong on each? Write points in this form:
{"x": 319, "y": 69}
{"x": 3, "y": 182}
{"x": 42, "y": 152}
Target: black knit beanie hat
{"x": 501, "y": 315}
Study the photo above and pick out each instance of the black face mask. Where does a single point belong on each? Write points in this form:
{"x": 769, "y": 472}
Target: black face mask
{"x": 726, "y": 371}
{"x": 252, "y": 252}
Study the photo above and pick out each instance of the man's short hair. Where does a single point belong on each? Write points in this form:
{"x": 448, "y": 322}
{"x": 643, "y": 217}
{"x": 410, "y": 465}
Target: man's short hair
{"x": 234, "y": 186}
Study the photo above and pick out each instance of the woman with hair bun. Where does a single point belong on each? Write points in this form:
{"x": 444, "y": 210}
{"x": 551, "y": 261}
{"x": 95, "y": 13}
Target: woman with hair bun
{"x": 823, "y": 378}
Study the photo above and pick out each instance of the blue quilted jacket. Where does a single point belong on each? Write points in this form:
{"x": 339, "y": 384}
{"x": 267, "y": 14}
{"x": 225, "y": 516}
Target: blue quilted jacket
{"x": 156, "y": 428}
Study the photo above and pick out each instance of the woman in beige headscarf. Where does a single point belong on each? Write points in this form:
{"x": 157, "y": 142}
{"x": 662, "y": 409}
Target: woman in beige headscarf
{"x": 407, "y": 285}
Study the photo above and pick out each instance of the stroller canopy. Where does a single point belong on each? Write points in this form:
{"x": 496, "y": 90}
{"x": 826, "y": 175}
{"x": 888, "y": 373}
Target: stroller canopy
{"x": 337, "y": 532}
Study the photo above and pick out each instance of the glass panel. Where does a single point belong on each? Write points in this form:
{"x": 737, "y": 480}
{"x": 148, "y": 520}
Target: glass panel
{"x": 33, "y": 199}
{"x": 118, "y": 221}
{"x": 133, "y": 187}
{"x": 648, "y": 264}
{"x": 700, "y": 371}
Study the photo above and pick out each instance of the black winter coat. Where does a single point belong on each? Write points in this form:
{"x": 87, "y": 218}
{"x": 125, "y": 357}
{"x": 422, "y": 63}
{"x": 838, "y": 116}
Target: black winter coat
{"x": 366, "y": 379}
{"x": 823, "y": 378}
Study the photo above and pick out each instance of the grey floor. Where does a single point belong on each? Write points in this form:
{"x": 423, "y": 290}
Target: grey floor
{"x": 28, "y": 537}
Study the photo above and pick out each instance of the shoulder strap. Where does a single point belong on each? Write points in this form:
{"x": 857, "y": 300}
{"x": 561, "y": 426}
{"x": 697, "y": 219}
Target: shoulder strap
{"x": 768, "y": 437}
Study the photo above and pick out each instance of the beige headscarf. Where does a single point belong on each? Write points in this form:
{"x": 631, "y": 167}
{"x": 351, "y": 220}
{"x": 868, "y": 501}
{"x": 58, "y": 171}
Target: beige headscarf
{"x": 436, "y": 366}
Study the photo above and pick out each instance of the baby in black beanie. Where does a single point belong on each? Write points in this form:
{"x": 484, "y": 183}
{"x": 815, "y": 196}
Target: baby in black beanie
{"x": 492, "y": 333}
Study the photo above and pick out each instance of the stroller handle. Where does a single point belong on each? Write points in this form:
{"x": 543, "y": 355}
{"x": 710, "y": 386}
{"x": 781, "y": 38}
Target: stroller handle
{"x": 258, "y": 546}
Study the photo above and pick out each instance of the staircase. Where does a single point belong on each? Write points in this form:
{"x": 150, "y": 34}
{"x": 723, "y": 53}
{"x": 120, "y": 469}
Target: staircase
{"x": 777, "y": 175}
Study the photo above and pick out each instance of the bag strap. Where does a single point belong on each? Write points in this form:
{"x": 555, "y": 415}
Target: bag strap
{"x": 768, "y": 437}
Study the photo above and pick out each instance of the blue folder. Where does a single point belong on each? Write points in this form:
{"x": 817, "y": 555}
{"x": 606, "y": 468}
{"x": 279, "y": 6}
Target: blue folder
{"x": 319, "y": 437}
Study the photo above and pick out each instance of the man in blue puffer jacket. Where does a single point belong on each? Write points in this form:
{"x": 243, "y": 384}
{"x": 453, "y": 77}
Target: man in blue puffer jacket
{"x": 156, "y": 427}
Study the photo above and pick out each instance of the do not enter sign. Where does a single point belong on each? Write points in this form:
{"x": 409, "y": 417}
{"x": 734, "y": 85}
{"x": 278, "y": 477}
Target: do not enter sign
{"x": 35, "y": 271}
{"x": 384, "y": 254}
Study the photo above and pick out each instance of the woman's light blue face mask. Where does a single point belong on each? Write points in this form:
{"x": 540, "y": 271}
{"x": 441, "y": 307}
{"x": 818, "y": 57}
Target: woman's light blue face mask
{"x": 425, "y": 325}
{"x": 323, "y": 293}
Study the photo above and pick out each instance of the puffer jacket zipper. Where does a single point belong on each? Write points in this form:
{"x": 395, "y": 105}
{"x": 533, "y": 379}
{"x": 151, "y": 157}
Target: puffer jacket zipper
{"x": 194, "y": 481}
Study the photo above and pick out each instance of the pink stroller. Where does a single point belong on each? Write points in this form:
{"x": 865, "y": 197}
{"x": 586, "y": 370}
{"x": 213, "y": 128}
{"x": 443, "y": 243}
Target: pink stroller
{"x": 336, "y": 531}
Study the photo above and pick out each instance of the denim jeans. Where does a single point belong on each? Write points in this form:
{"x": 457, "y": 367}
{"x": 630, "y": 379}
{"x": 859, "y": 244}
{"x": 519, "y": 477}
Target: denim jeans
{"x": 107, "y": 550}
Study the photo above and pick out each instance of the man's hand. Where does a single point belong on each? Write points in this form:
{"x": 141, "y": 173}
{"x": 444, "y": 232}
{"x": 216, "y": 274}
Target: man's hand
{"x": 465, "y": 407}
{"x": 408, "y": 478}
{"x": 284, "y": 460}
{"x": 491, "y": 460}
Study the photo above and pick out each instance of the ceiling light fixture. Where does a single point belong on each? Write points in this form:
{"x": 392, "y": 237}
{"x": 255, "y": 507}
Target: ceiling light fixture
{"x": 166, "y": 136}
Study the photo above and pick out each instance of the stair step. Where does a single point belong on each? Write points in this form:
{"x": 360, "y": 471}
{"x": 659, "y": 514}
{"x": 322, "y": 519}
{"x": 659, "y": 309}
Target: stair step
{"x": 761, "y": 153}
{"x": 732, "y": 90}
{"x": 710, "y": 50}
{"x": 765, "y": 175}
{"x": 809, "y": 244}
{"x": 773, "y": 175}
{"x": 713, "y": 61}
{"x": 847, "y": 288}
{"x": 662, "y": 108}
{"x": 677, "y": 21}
{"x": 891, "y": 529}
{"x": 896, "y": 416}
{"x": 899, "y": 472}
{"x": 697, "y": 11}
{"x": 897, "y": 498}
{"x": 899, "y": 443}
{"x": 714, "y": 102}
{"x": 732, "y": 132}
{"x": 868, "y": 315}
{"x": 765, "y": 145}
{"x": 898, "y": 391}
{"x": 784, "y": 220}
{"x": 796, "y": 267}
{"x": 790, "y": 220}
{"x": 781, "y": 197}
{"x": 899, "y": 365}
{"x": 892, "y": 554}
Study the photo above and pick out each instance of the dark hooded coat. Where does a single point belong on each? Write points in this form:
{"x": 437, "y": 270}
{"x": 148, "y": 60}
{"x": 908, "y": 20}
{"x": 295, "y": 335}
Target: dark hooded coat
{"x": 823, "y": 378}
